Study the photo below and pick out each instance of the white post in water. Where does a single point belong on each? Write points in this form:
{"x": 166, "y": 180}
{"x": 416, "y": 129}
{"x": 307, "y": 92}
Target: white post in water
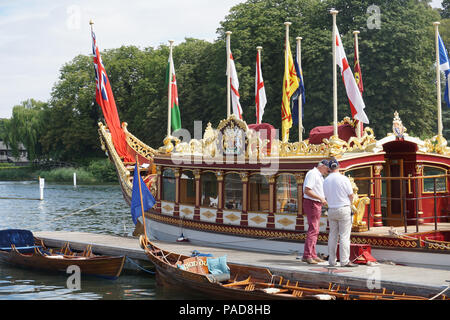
{"x": 41, "y": 188}
{"x": 74, "y": 179}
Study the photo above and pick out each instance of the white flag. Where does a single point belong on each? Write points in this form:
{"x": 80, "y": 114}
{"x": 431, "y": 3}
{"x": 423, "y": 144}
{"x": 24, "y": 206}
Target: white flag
{"x": 237, "y": 110}
{"x": 354, "y": 95}
{"x": 260, "y": 91}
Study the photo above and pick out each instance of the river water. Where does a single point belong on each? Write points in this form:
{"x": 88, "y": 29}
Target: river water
{"x": 95, "y": 209}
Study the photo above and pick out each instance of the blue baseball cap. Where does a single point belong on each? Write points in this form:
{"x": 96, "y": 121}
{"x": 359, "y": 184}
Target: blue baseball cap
{"x": 333, "y": 164}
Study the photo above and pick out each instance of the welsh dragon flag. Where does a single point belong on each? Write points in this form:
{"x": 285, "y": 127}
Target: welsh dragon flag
{"x": 175, "y": 107}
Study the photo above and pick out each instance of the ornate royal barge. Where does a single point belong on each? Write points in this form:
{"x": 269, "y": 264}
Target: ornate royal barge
{"x": 240, "y": 187}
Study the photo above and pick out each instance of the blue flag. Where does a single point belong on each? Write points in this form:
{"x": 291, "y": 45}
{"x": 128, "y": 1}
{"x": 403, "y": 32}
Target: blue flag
{"x": 445, "y": 66}
{"x": 147, "y": 198}
{"x": 300, "y": 91}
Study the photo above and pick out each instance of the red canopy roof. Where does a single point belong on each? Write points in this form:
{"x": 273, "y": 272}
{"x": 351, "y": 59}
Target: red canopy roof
{"x": 317, "y": 134}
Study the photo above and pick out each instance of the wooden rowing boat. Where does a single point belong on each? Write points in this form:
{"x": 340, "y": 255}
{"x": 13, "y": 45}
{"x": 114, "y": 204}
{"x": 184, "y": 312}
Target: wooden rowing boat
{"x": 248, "y": 282}
{"x": 21, "y": 248}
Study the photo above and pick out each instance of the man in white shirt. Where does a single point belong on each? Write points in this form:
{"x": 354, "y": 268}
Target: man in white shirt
{"x": 339, "y": 194}
{"x": 313, "y": 199}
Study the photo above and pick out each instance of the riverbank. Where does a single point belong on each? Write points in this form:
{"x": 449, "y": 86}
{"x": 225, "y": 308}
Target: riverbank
{"x": 97, "y": 171}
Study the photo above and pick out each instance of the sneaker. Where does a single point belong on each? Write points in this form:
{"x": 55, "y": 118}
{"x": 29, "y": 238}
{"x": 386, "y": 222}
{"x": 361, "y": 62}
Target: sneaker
{"x": 309, "y": 260}
{"x": 350, "y": 265}
{"x": 318, "y": 260}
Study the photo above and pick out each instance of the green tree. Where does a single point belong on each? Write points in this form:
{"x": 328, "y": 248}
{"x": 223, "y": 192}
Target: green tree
{"x": 25, "y": 128}
{"x": 445, "y": 13}
{"x": 70, "y": 130}
{"x": 396, "y": 59}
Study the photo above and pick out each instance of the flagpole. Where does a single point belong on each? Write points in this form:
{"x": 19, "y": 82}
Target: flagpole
{"x": 228, "y": 33}
{"x": 438, "y": 78}
{"x": 258, "y": 107}
{"x": 286, "y": 62}
{"x": 300, "y": 98}
{"x": 169, "y": 102}
{"x": 358, "y": 125}
{"x": 335, "y": 104}
{"x": 140, "y": 196}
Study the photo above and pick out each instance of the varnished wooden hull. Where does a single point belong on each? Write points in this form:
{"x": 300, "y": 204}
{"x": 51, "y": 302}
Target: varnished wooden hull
{"x": 248, "y": 282}
{"x": 169, "y": 275}
{"x": 102, "y": 266}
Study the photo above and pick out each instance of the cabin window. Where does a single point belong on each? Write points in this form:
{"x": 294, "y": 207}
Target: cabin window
{"x": 168, "y": 185}
{"x": 258, "y": 193}
{"x": 363, "y": 185}
{"x": 233, "y": 191}
{"x": 286, "y": 193}
{"x": 428, "y": 184}
{"x": 187, "y": 188}
{"x": 209, "y": 190}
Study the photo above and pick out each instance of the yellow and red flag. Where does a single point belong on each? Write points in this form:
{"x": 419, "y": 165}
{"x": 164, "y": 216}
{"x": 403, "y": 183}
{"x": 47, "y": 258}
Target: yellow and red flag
{"x": 290, "y": 85}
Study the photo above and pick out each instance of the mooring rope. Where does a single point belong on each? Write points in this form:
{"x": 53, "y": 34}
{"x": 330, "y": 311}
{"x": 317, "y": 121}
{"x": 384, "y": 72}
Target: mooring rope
{"x": 72, "y": 213}
{"x": 448, "y": 287}
{"x": 137, "y": 265}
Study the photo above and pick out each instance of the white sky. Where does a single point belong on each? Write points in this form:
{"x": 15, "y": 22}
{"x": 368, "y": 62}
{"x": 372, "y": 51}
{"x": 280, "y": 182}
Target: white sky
{"x": 38, "y": 36}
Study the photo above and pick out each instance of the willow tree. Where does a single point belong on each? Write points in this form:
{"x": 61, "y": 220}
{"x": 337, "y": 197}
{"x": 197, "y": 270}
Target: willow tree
{"x": 25, "y": 128}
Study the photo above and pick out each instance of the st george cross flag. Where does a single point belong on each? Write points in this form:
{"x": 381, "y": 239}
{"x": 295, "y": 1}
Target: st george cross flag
{"x": 290, "y": 85}
{"x": 260, "y": 91}
{"x": 354, "y": 95}
{"x": 148, "y": 201}
{"x": 237, "y": 110}
{"x": 105, "y": 98}
{"x": 445, "y": 67}
{"x": 174, "y": 105}
{"x": 296, "y": 95}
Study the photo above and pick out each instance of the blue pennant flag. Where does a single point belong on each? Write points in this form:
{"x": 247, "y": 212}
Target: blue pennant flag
{"x": 300, "y": 91}
{"x": 147, "y": 198}
{"x": 445, "y": 66}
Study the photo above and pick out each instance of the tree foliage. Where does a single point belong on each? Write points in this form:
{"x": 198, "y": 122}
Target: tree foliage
{"x": 396, "y": 59}
{"x": 445, "y": 13}
{"x": 25, "y": 128}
